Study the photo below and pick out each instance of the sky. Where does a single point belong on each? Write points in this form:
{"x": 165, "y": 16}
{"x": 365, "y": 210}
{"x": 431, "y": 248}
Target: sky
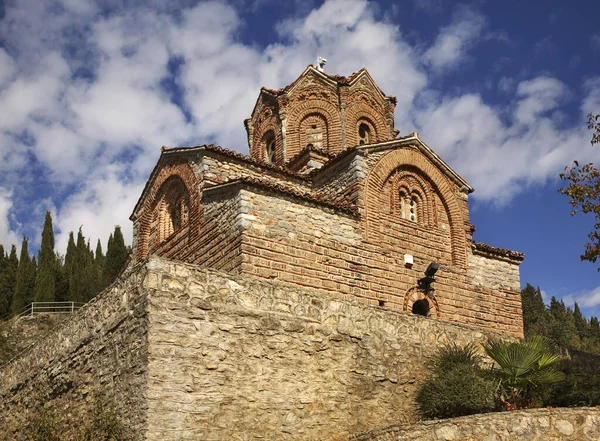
{"x": 91, "y": 90}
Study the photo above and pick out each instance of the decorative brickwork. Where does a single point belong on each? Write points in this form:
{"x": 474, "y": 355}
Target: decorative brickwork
{"x": 321, "y": 110}
{"x": 175, "y": 185}
{"x": 390, "y": 167}
{"x": 322, "y": 215}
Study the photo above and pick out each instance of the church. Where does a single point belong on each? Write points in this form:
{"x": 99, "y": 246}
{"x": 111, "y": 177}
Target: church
{"x": 296, "y": 293}
{"x": 332, "y": 198}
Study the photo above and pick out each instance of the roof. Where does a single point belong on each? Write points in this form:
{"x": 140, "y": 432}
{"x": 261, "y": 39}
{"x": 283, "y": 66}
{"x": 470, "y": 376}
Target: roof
{"x": 409, "y": 140}
{"x": 288, "y": 191}
{"x": 166, "y": 152}
{"x": 334, "y": 80}
{"x": 498, "y": 252}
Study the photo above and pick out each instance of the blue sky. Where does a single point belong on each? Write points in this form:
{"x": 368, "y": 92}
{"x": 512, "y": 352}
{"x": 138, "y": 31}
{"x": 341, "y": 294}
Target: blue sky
{"x": 90, "y": 91}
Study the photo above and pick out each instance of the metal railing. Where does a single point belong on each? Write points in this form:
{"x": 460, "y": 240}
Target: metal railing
{"x": 48, "y": 308}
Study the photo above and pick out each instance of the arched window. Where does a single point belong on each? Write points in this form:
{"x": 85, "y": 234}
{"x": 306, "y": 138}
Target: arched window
{"x": 409, "y": 206}
{"x": 172, "y": 209}
{"x": 313, "y": 132}
{"x": 364, "y": 134}
{"x": 421, "y": 307}
{"x": 269, "y": 142}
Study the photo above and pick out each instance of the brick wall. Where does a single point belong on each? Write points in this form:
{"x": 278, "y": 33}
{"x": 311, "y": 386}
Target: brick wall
{"x": 310, "y": 246}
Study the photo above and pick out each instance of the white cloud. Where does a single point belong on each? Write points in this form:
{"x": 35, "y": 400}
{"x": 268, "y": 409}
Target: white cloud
{"x": 451, "y": 45}
{"x": 83, "y": 95}
{"x": 503, "y": 156}
{"x": 106, "y": 201}
{"x": 588, "y": 299}
{"x": 537, "y": 97}
{"x": 7, "y": 236}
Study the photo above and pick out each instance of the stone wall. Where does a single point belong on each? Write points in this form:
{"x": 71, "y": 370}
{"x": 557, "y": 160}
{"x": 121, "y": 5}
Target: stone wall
{"x": 493, "y": 273}
{"x": 185, "y": 352}
{"x": 100, "y": 353}
{"x": 580, "y": 424}
{"x": 238, "y": 357}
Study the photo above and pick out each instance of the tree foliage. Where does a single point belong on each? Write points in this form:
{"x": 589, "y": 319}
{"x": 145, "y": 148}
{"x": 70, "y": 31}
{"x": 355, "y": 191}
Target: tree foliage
{"x": 577, "y": 336}
{"x": 25, "y": 280}
{"x": 77, "y": 276}
{"x": 524, "y": 369}
{"x": 456, "y": 385}
{"x": 46, "y": 275}
{"x": 584, "y": 192}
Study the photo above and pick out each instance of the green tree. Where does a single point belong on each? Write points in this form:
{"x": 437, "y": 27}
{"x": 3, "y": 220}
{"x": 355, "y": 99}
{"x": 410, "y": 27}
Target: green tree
{"x": 8, "y": 278}
{"x": 584, "y": 192}
{"x": 524, "y": 369}
{"x": 46, "y": 275}
{"x": 4, "y": 296}
{"x": 21, "y": 294}
{"x": 116, "y": 256}
{"x": 561, "y": 328}
{"x": 80, "y": 286}
{"x": 535, "y": 319}
{"x": 581, "y": 323}
{"x": 456, "y": 385}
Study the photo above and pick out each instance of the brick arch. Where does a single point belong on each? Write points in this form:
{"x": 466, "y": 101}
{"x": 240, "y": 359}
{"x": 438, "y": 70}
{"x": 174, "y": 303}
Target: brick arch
{"x": 263, "y": 125}
{"x": 380, "y": 174}
{"x": 359, "y": 110}
{"x": 184, "y": 172}
{"x": 402, "y": 178}
{"x": 413, "y": 294}
{"x": 313, "y": 106}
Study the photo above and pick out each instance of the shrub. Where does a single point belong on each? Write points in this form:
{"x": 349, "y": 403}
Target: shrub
{"x": 44, "y": 426}
{"x": 104, "y": 426}
{"x": 525, "y": 370}
{"x": 456, "y": 385}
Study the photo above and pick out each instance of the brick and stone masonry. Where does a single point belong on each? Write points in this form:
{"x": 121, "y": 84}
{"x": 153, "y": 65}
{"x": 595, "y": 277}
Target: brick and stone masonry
{"x": 268, "y": 295}
{"x": 337, "y": 208}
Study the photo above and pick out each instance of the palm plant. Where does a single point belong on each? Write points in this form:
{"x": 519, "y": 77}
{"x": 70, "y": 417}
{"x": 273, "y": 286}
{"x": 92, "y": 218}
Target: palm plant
{"x": 524, "y": 369}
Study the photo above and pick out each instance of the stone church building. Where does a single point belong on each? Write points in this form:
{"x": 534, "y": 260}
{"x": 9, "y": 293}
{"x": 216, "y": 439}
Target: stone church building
{"x": 331, "y": 198}
{"x": 282, "y": 295}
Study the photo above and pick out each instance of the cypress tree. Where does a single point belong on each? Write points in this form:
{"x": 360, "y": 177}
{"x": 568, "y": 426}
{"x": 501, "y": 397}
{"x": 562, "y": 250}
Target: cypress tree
{"x": 79, "y": 283}
{"x": 62, "y": 279}
{"x": 534, "y": 311}
{"x": 99, "y": 264}
{"x": 10, "y": 274}
{"x": 4, "y": 298}
{"x": 70, "y": 256}
{"x": 580, "y": 322}
{"x": 116, "y": 256}
{"x": 46, "y": 276}
{"x": 22, "y": 282}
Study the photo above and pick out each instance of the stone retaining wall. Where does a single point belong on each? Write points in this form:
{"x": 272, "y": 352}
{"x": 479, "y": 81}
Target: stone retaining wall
{"x": 99, "y": 354}
{"x": 581, "y": 424}
{"x": 238, "y": 357}
{"x": 185, "y": 352}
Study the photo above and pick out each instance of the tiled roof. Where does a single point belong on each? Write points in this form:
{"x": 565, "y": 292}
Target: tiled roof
{"x": 310, "y": 148}
{"x": 289, "y": 190}
{"x": 236, "y": 155}
{"x": 480, "y": 246}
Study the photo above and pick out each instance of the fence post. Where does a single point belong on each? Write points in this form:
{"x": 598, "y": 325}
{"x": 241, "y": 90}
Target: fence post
{"x": 72, "y": 307}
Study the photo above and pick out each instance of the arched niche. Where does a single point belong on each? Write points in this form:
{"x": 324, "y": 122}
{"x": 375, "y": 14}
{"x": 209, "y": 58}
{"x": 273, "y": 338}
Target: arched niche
{"x": 376, "y": 186}
{"x": 171, "y": 205}
{"x": 304, "y": 115}
{"x": 416, "y": 302}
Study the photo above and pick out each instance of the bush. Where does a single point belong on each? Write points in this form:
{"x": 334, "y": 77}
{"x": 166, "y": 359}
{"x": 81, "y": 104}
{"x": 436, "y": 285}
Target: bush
{"x": 456, "y": 385}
